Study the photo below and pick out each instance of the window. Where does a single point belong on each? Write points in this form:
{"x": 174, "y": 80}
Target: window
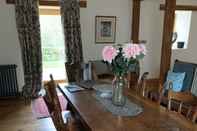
{"x": 53, "y": 48}
{"x": 182, "y": 29}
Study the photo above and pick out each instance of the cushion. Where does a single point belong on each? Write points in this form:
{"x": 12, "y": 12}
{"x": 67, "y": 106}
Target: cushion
{"x": 189, "y": 69}
{"x": 194, "y": 85}
{"x": 87, "y": 71}
{"x": 177, "y": 80}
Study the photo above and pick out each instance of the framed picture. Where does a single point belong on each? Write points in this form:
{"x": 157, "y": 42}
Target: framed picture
{"x": 105, "y": 29}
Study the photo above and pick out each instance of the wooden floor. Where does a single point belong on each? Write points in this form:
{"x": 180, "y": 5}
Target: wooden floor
{"x": 16, "y": 116}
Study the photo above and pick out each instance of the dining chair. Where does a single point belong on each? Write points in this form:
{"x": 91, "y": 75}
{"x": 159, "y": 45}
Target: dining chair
{"x": 149, "y": 87}
{"x": 53, "y": 104}
{"x": 183, "y": 99}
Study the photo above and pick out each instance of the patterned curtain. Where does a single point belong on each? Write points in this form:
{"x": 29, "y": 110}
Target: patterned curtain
{"x": 28, "y": 26}
{"x": 70, "y": 14}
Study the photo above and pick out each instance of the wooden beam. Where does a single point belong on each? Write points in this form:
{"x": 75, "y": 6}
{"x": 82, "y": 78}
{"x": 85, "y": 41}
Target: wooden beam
{"x": 135, "y": 21}
{"x": 181, "y": 7}
{"x": 83, "y": 3}
{"x": 50, "y": 11}
{"x": 167, "y": 38}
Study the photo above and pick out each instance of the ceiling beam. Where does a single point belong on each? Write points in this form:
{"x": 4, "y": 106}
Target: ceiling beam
{"x": 83, "y": 3}
{"x": 135, "y": 21}
{"x": 181, "y": 7}
{"x": 167, "y": 38}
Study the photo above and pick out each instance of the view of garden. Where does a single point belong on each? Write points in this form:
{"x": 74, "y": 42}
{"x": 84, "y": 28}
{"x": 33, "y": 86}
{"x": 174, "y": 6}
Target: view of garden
{"x": 53, "y": 48}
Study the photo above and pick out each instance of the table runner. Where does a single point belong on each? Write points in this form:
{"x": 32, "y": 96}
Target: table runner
{"x": 130, "y": 109}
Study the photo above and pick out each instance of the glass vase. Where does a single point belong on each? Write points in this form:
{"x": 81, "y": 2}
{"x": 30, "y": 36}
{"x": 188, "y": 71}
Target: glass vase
{"x": 118, "y": 97}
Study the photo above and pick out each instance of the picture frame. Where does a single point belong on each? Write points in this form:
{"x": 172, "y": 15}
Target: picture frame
{"x": 105, "y": 29}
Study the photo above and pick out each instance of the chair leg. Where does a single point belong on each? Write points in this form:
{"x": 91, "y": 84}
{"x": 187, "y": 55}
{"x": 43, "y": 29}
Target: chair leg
{"x": 189, "y": 112}
{"x": 180, "y": 108}
{"x": 194, "y": 117}
{"x": 169, "y": 104}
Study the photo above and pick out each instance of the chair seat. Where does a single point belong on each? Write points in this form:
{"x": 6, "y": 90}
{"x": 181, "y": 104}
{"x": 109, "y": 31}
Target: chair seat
{"x": 185, "y": 97}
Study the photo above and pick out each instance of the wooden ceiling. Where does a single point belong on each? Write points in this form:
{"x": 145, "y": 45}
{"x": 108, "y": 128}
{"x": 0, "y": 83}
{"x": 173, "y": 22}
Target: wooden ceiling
{"x": 83, "y": 3}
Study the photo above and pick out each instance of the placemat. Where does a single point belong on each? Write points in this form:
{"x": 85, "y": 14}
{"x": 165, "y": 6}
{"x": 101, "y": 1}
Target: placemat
{"x": 129, "y": 109}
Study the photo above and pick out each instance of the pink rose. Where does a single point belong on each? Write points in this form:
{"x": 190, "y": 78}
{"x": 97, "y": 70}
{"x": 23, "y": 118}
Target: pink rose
{"x": 109, "y": 53}
{"x": 128, "y": 51}
{"x": 133, "y": 50}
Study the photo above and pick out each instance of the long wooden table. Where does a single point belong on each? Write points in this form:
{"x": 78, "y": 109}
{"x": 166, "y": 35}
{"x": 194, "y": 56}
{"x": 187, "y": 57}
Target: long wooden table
{"x": 95, "y": 117}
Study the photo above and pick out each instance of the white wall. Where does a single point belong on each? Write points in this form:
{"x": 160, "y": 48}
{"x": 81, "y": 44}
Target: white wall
{"x": 151, "y": 27}
{"x": 119, "y": 8}
{"x": 9, "y": 45}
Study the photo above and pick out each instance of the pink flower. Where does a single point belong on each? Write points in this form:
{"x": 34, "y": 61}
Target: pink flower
{"x": 109, "y": 53}
{"x": 133, "y": 50}
{"x": 128, "y": 51}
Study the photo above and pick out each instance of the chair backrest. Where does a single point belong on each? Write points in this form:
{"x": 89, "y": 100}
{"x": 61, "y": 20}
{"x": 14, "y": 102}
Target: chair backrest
{"x": 74, "y": 72}
{"x": 141, "y": 84}
{"x": 53, "y": 104}
{"x": 101, "y": 71}
{"x": 100, "y": 67}
{"x": 194, "y": 84}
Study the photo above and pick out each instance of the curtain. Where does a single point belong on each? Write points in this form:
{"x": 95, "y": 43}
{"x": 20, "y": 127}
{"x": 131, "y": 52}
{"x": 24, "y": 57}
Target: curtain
{"x": 70, "y": 15}
{"x": 28, "y": 26}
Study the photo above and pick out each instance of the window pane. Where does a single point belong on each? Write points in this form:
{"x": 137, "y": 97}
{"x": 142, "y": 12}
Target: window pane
{"x": 52, "y": 47}
{"x": 182, "y": 28}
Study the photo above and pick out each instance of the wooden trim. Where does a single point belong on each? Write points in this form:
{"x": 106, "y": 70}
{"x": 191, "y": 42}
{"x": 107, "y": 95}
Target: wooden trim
{"x": 83, "y": 3}
{"x": 43, "y": 11}
{"x": 181, "y": 7}
{"x": 135, "y": 21}
{"x": 167, "y": 38}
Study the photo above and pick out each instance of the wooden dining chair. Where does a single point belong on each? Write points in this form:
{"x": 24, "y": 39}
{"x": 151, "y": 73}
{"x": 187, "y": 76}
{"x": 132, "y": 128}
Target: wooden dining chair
{"x": 149, "y": 88}
{"x": 53, "y": 104}
{"x": 182, "y": 98}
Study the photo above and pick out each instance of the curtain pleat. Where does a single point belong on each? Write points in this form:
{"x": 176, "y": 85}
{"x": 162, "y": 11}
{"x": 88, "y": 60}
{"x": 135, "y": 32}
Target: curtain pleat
{"x": 28, "y": 27}
{"x": 70, "y": 16}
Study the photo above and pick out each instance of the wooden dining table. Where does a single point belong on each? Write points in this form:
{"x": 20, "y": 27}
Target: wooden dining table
{"x": 93, "y": 116}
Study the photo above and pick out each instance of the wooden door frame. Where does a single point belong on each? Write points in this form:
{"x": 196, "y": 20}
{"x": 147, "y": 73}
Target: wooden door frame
{"x": 170, "y": 7}
{"x": 166, "y": 52}
{"x": 135, "y": 21}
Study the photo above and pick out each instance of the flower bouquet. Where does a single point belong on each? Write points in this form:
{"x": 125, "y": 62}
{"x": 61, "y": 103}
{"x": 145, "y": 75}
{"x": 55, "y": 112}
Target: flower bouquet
{"x": 120, "y": 59}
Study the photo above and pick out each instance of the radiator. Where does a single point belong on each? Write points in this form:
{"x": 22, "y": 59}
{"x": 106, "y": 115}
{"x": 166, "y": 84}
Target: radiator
{"x": 8, "y": 81}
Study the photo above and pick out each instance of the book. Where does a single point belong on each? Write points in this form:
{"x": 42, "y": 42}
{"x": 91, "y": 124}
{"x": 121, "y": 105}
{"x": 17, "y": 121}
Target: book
{"x": 74, "y": 88}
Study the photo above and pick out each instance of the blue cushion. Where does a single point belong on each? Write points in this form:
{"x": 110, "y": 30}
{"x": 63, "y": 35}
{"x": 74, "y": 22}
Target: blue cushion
{"x": 189, "y": 70}
{"x": 177, "y": 80}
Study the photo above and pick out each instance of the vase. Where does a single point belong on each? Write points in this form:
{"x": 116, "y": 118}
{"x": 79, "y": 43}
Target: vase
{"x": 118, "y": 85}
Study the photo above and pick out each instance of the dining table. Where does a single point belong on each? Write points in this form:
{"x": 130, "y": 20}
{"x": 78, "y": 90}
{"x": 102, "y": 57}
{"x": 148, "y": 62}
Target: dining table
{"x": 93, "y": 116}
